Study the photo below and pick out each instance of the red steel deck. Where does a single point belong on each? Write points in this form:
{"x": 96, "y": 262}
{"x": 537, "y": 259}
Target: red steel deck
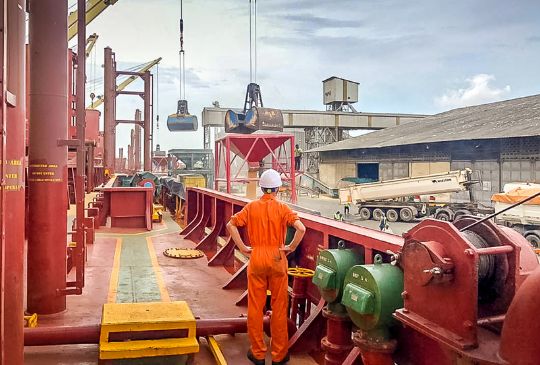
{"x": 128, "y": 265}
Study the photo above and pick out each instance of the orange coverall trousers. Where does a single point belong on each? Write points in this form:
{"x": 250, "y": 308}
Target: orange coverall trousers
{"x": 267, "y": 270}
{"x": 266, "y": 220}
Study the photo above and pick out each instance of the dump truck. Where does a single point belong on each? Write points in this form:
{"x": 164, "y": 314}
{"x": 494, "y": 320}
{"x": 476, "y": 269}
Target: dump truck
{"x": 405, "y": 199}
{"x": 524, "y": 218}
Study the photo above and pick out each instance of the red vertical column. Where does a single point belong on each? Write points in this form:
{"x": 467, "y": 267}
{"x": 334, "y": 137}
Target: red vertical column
{"x": 228, "y": 163}
{"x": 147, "y": 121}
{"x": 293, "y": 173}
{"x": 3, "y": 105}
{"x": 71, "y": 62}
{"x": 137, "y": 144}
{"x": 80, "y": 256}
{"x": 217, "y": 161}
{"x": 47, "y": 169}
{"x": 13, "y": 176}
{"x": 109, "y": 95}
{"x": 120, "y": 160}
{"x": 130, "y": 155}
{"x": 90, "y": 157}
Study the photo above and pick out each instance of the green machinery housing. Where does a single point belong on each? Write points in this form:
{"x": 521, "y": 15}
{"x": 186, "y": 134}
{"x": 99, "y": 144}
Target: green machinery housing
{"x": 368, "y": 293}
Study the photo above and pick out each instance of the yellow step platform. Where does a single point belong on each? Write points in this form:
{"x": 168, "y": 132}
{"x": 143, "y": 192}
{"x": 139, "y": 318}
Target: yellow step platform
{"x": 157, "y": 213}
{"x": 155, "y": 316}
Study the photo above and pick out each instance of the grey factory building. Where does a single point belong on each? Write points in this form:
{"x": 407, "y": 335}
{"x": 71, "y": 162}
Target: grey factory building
{"x": 499, "y": 141}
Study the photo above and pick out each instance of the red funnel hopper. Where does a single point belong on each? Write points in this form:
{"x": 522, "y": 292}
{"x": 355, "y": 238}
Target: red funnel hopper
{"x": 252, "y": 150}
{"x": 255, "y": 147}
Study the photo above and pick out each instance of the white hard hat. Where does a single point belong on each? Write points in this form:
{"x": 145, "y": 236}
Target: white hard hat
{"x": 270, "y": 179}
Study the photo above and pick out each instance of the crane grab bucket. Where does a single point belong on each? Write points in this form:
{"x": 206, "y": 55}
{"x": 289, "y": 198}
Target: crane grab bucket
{"x": 182, "y": 121}
{"x": 256, "y": 119}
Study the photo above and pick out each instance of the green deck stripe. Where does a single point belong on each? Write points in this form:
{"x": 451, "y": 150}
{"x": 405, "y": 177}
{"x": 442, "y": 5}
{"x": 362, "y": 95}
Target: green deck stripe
{"x": 137, "y": 280}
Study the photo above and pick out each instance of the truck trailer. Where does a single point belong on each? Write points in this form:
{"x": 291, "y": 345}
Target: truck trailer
{"x": 401, "y": 199}
{"x": 524, "y": 218}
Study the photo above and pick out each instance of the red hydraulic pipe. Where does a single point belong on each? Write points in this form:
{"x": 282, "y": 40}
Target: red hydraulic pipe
{"x": 498, "y": 250}
{"x": 13, "y": 209}
{"x": 46, "y": 336}
{"x": 377, "y": 358}
{"x": 337, "y": 343}
{"x": 47, "y": 157}
{"x": 147, "y": 121}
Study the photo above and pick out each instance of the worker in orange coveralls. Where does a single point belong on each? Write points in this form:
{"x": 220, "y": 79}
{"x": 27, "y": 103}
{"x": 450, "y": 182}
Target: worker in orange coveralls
{"x": 266, "y": 221}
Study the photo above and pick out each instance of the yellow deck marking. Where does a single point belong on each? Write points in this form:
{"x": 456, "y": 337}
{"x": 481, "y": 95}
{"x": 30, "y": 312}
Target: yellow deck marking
{"x": 113, "y": 283}
{"x": 112, "y": 234}
{"x": 157, "y": 271}
{"x": 216, "y": 351}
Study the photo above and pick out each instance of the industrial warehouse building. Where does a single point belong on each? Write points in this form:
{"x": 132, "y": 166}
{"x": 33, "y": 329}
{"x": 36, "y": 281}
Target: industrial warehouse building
{"x": 498, "y": 141}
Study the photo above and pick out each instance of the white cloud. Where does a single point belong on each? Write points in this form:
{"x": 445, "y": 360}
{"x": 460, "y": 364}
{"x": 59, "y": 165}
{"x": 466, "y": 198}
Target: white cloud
{"x": 303, "y": 42}
{"x": 479, "y": 91}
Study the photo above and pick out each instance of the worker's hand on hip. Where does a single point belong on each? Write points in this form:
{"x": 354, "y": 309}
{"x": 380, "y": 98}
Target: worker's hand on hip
{"x": 247, "y": 250}
{"x": 286, "y": 249}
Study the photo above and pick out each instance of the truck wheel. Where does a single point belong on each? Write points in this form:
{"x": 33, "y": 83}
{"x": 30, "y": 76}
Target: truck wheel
{"x": 406, "y": 214}
{"x": 534, "y": 240}
{"x": 443, "y": 216}
{"x": 461, "y": 212}
{"x": 392, "y": 215}
{"x": 377, "y": 214}
{"x": 364, "y": 213}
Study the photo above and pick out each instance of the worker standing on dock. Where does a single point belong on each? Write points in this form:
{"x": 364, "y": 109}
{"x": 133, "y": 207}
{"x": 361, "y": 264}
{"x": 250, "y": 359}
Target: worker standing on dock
{"x": 266, "y": 221}
{"x": 347, "y": 208}
{"x": 297, "y": 157}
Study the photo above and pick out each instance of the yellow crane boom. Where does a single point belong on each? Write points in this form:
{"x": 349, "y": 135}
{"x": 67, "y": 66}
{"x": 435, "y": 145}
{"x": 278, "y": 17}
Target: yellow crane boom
{"x": 93, "y": 9}
{"x": 90, "y": 43}
{"x": 126, "y": 82}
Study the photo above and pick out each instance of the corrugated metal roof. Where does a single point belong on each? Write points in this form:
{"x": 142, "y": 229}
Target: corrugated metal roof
{"x": 510, "y": 118}
{"x": 341, "y": 78}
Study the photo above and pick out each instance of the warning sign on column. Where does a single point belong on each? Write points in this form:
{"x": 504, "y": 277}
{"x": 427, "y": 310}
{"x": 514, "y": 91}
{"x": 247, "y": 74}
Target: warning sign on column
{"x": 43, "y": 173}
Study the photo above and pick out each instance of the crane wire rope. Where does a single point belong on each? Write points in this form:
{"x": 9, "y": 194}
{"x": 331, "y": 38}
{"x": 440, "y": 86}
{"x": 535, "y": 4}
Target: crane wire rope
{"x": 253, "y": 41}
{"x": 181, "y": 57}
{"x": 94, "y": 72}
{"x": 250, "y": 43}
{"x": 157, "y": 104}
{"x": 100, "y": 80}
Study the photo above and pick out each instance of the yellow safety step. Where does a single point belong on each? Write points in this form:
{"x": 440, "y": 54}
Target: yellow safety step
{"x": 157, "y": 213}
{"x": 148, "y": 348}
{"x": 155, "y": 316}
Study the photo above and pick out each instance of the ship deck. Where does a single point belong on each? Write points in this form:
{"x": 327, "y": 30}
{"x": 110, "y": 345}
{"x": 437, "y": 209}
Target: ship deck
{"x": 128, "y": 265}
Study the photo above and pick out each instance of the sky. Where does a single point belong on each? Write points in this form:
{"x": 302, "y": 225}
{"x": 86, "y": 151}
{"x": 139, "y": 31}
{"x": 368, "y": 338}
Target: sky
{"x": 423, "y": 56}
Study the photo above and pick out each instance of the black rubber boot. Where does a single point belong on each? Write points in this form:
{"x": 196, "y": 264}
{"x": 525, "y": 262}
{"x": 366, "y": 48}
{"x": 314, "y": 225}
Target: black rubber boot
{"x": 254, "y": 360}
{"x": 282, "y": 362}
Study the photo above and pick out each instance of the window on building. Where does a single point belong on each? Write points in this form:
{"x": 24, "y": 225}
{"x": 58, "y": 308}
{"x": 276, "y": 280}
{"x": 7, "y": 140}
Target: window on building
{"x": 368, "y": 171}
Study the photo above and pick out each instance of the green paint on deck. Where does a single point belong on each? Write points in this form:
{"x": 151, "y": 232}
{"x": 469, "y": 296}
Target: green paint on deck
{"x": 137, "y": 280}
